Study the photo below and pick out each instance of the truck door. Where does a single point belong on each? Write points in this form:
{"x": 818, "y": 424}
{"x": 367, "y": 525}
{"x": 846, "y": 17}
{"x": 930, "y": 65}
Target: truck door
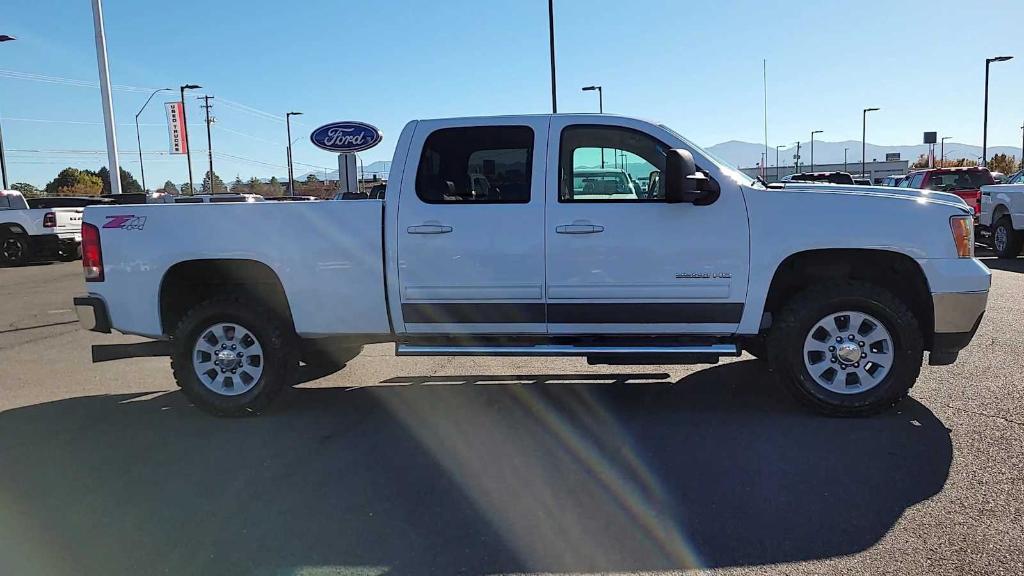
{"x": 470, "y": 228}
{"x": 622, "y": 260}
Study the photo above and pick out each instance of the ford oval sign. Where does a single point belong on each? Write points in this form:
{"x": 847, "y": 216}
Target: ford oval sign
{"x": 346, "y": 136}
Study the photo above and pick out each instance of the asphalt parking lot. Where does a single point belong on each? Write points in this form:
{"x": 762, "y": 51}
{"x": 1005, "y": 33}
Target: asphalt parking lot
{"x": 498, "y": 465}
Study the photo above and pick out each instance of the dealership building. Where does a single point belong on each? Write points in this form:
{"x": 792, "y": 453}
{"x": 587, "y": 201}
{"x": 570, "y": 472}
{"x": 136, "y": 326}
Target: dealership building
{"x": 874, "y": 170}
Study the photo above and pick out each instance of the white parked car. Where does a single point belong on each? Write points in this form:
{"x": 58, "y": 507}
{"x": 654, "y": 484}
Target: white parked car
{"x": 36, "y": 233}
{"x": 842, "y": 289}
{"x": 1002, "y": 215}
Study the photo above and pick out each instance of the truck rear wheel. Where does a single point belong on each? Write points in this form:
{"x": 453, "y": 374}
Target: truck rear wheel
{"x": 1006, "y": 242}
{"x": 232, "y": 357}
{"x": 847, "y": 348}
{"x": 13, "y": 250}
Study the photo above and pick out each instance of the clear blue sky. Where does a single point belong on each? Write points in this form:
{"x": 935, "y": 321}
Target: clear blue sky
{"x": 694, "y": 66}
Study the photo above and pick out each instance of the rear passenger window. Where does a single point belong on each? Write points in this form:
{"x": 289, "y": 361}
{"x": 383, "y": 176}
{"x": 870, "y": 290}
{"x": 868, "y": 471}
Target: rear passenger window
{"x": 485, "y": 164}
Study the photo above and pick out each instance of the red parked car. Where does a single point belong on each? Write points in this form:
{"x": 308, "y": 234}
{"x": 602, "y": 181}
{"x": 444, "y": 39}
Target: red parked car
{"x": 964, "y": 182}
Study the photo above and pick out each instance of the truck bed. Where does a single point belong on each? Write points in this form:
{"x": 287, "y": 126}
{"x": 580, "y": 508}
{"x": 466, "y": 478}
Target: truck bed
{"x": 327, "y": 255}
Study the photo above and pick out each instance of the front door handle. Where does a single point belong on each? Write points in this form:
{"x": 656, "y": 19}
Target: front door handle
{"x": 429, "y": 229}
{"x": 579, "y": 229}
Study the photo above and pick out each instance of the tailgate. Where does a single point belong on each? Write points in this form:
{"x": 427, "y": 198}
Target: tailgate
{"x": 69, "y": 222}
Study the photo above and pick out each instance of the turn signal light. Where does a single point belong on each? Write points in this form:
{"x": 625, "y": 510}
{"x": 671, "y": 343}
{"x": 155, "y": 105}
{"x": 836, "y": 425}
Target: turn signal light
{"x": 963, "y": 235}
{"x": 92, "y": 253}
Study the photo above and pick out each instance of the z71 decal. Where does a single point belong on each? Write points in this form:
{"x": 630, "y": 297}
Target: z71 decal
{"x": 126, "y": 222}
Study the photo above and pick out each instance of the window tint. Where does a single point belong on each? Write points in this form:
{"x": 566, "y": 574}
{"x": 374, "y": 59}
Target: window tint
{"x": 488, "y": 164}
{"x": 605, "y": 163}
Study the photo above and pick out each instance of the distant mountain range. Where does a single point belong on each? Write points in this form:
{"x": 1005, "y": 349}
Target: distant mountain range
{"x": 748, "y": 154}
{"x": 378, "y": 168}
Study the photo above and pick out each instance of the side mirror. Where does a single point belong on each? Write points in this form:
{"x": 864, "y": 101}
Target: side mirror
{"x": 684, "y": 183}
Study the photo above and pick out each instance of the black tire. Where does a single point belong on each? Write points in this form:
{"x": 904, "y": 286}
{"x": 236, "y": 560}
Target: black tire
{"x": 1014, "y": 240}
{"x": 70, "y": 254}
{"x": 279, "y": 360}
{"x": 13, "y": 250}
{"x": 804, "y": 310}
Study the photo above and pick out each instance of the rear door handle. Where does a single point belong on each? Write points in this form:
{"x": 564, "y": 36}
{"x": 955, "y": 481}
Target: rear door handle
{"x": 579, "y": 229}
{"x": 429, "y": 229}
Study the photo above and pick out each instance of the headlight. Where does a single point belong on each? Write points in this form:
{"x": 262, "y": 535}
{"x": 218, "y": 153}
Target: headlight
{"x": 963, "y": 235}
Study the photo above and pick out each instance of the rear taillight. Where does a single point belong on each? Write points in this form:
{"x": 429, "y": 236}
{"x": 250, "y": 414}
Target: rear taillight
{"x": 92, "y": 253}
{"x": 49, "y": 220}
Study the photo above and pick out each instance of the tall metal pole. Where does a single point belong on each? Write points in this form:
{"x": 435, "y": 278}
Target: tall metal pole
{"x": 845, "y": 150}
{"x": 942, "y": 150}
{"x": 209, "y": 140}
{"x": 863, "y": 140}
{"x": 764, "y": 77}
{"x": 108, "y": 104}
{"x": 777, "y": 177}
{"x": 3, "y": 159}
{"x": 291, "y": 177}
{"x": 797, "y": 157}
{"x": 138, "y": 138}
{"x": 813, "y": 132}
{"x": 551, "y": 41}
{"x": 600, "y": 108}
{"x": 188, "y": 142}
{"x": 984, "y": 126}
{"x": 1022, "y": 146}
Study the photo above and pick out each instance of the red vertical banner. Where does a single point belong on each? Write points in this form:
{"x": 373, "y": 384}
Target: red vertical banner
{"x": 175, "y": 128}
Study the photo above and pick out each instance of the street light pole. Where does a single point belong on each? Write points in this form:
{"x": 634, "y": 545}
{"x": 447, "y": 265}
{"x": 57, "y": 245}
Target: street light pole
{"x": 288, "y": 125}
{"x": 777, "y": 177}
{"x": 845, "y": 169}
{"x": 138, "y": 138}
{"x": 864, "y": 139}
{"x": 797, "y": 158}
{"x": 3, "y": 159}
{"x": 188, "y": 143}
{"x": 942, "y": 149}
{"x": 984, "y": 127}
{"x": 813, "y": 132}
{"x": 600, "y": 109}
{"x": 551, "y": 41}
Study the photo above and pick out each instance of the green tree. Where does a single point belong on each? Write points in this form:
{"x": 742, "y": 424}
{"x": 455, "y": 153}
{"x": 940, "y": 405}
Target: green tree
{"x": 27, "y": 190}
{"x": 1003, "y": 163}
{"x": 170, "y": 188}
{"x": 75, "y": 182}
{"x": 273, "y": 188}
{"x": 212, "y": 184}
{"x": 186, "y": 189}
{"x": 312, "y": 179}
{"x": 129, "y": 185}
{"x": 238, "y": 187}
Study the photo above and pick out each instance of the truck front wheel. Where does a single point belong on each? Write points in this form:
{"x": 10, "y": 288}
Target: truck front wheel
{"x": 1005, "y": 240}
{"x": 847, "y": 348}
{"x": 232, "y": 357}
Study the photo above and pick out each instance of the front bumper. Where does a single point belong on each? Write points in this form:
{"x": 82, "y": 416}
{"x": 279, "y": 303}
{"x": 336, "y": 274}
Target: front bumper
{"x": 957, "y": 317}
{"x": 92, "y": 314}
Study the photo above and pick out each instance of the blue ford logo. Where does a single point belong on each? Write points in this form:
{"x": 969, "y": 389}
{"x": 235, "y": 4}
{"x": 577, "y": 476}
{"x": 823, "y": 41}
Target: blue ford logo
{"x": 346, "y": 136}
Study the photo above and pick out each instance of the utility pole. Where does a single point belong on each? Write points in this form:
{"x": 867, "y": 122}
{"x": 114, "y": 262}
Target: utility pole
{"x": 812, "y": 147}
{"x": 845, "y": 169}
{"x": 797, "y": 158}
{"x": 108, "y": 103}
{"x": 291, "y": 177}
{"x": 777, "y": 165}
{"x": 551, "y": 41}
{"x": 209, "y": 141}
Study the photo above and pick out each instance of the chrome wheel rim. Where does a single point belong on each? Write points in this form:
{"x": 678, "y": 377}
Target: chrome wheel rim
{"x": 228, "y": 359}
{"x": 999, "y": 238}
{"x": 848, "y": 352}
{"x": 12, "y": 249}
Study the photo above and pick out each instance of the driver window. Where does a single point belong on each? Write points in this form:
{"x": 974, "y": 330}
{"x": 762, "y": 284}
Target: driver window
{"x": 610, "y": 164}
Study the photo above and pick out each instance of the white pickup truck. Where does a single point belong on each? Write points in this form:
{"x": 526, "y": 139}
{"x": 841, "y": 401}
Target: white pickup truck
{"x": 486, "y": 244}
{"x": 36, "y": 233}
{"x": 1002, "y": 215}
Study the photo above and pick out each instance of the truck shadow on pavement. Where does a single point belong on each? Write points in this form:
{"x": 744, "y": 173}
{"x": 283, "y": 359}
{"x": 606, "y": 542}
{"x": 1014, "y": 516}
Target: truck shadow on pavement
{"x": 1007, "y": 265}
{"x": 629, "y": 472}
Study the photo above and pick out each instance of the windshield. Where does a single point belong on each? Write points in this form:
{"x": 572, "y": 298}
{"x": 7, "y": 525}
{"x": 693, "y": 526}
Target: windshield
{"x": 726, "y": 168}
